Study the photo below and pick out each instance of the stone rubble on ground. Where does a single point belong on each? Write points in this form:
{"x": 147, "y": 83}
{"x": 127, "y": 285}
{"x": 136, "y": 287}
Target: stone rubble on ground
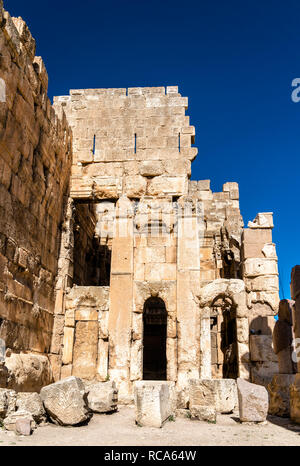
{"x": 32, "y": 403}
{"x": 102, "y": 397}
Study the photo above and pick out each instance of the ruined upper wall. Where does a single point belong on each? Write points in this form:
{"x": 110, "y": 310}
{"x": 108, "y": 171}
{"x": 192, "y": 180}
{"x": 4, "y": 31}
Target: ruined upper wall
{"x": 35, "y": 163}
{"x": 132, "y": 141}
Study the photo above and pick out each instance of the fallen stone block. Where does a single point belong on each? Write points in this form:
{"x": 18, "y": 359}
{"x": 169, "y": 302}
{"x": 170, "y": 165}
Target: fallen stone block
{"x": 279, "y": 394}
{"x": 153, "y": 402}
{"x": 253, "y": 401}
{"x": 102, "y": 396}
{"x": 28, "y": 372}
{"x": 21, "y": 415}
{"x": 220, "y": 393}
{"x": 66, "y": 402}
{"x": 32, "y": 403}
{"x": 204, "y": 413}
{"x": 23, "y": 426}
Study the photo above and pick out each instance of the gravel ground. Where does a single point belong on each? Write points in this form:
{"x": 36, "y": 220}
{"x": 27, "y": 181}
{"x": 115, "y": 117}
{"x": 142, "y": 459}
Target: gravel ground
{"x": 119, "y": 429}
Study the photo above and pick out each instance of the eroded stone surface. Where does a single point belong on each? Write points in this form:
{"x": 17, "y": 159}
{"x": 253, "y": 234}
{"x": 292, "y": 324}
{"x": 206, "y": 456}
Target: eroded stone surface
{"x": 279, "y": 394}
{"x": 102, "y": 396}
{"x": 66, "y": 401}
{"x": 253, "y": 401}
{"x": 153, "y": 403}
{"x": 32, "y": 403}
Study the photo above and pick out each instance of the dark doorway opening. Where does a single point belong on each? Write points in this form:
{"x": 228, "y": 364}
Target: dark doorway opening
{"x": 155, "y": 338}
{"x": 91, "y": 255}
{"x": 224, "y": 358}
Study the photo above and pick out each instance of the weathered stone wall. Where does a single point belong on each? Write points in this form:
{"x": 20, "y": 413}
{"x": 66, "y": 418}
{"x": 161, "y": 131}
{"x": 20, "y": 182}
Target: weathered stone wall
{"x": 260, "y": 274}
{"x": 132, "y": 141}
{"x": 169, "y": 236}
{"x": 35, "y": 162}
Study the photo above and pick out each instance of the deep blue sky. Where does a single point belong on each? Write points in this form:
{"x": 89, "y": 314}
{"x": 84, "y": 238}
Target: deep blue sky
{"x": 234, "y": 59}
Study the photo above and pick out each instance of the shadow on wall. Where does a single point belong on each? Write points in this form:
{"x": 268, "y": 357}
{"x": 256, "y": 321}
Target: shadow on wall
{"x": 263, "y": 360}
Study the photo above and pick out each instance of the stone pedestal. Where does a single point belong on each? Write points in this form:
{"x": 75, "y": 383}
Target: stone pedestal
{"x": 279, "y": 394}
{"x": 153, "y": 402}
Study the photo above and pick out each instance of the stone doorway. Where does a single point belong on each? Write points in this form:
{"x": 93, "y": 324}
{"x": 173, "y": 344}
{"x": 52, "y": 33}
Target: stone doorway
{"x": 154, "y": 340}
{"x": 224, "y": 356}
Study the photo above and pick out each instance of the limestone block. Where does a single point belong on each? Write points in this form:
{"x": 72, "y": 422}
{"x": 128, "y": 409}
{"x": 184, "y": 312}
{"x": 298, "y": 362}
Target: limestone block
{"x": 85, "y": 349}
{"x": 136, "y": 360}
{"x": 203, "y": 185}
{"x": 68, "y": 343}
{"x": 204, "y": 413}
{"x": 152, "y": 403}
{"x": 151, "y": 168}
{"x": 65, "y": 371}
{"x": 171, "y": 351}
{"x": 66, "y": 402}
{"x": 32, "y": 403}
{"x": 262, "y": 283}
{"x": 23, "y": 426}
{"x": 167, "y": 185}
{"x": 171, "y": 254}
{"x": 262, "y": 220}
{"x": 220, "y": 393}
{"x": 28, "y": 372}
{"x": 262, "y": 372}
{"x": 86, "y": 314}
{"x": 11, "y": 420}
{"x": 259, "y": 236}
{"x": 256, "y": 267}
{"x": 261, "y": 348}
{"x": 102, "y": 361}
{"x": 102, "y": 396}
{"x": 70, "y": 318}
{"x": 253, "y": 401}
{"x": 135, "y": 186}
{"x": 55, "y": 363}
{"x": 279, "y": 394}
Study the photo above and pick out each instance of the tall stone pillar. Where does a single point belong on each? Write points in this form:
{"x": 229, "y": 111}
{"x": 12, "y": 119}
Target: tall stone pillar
{"x": 295, "y": 388}
{"x": 205, "y": 344}
{"x": 121, "y": 299}
{"x": 188, "y": 314}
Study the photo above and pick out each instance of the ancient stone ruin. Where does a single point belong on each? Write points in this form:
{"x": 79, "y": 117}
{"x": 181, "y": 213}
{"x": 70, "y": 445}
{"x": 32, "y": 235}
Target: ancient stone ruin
{"x": 115, "y": 265}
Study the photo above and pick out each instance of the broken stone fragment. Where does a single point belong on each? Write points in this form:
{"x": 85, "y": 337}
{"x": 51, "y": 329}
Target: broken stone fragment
{"x": 203, "y": 413}
{"x": 28, "y": 372}
{"x": 102, "y": 396}
{"x": 153, "y": 402}
{"x": 253, "y": 401}
{"x": 23, "y": 426}
{"x": 11, "y": 420}
{"x": 66, "y": 402}
{"x": 220, "y": 393}
{"x": 32, "y": 403}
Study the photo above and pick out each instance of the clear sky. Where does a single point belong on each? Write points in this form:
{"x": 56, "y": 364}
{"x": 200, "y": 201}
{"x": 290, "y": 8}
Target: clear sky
{"x": 235, "y": 60}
